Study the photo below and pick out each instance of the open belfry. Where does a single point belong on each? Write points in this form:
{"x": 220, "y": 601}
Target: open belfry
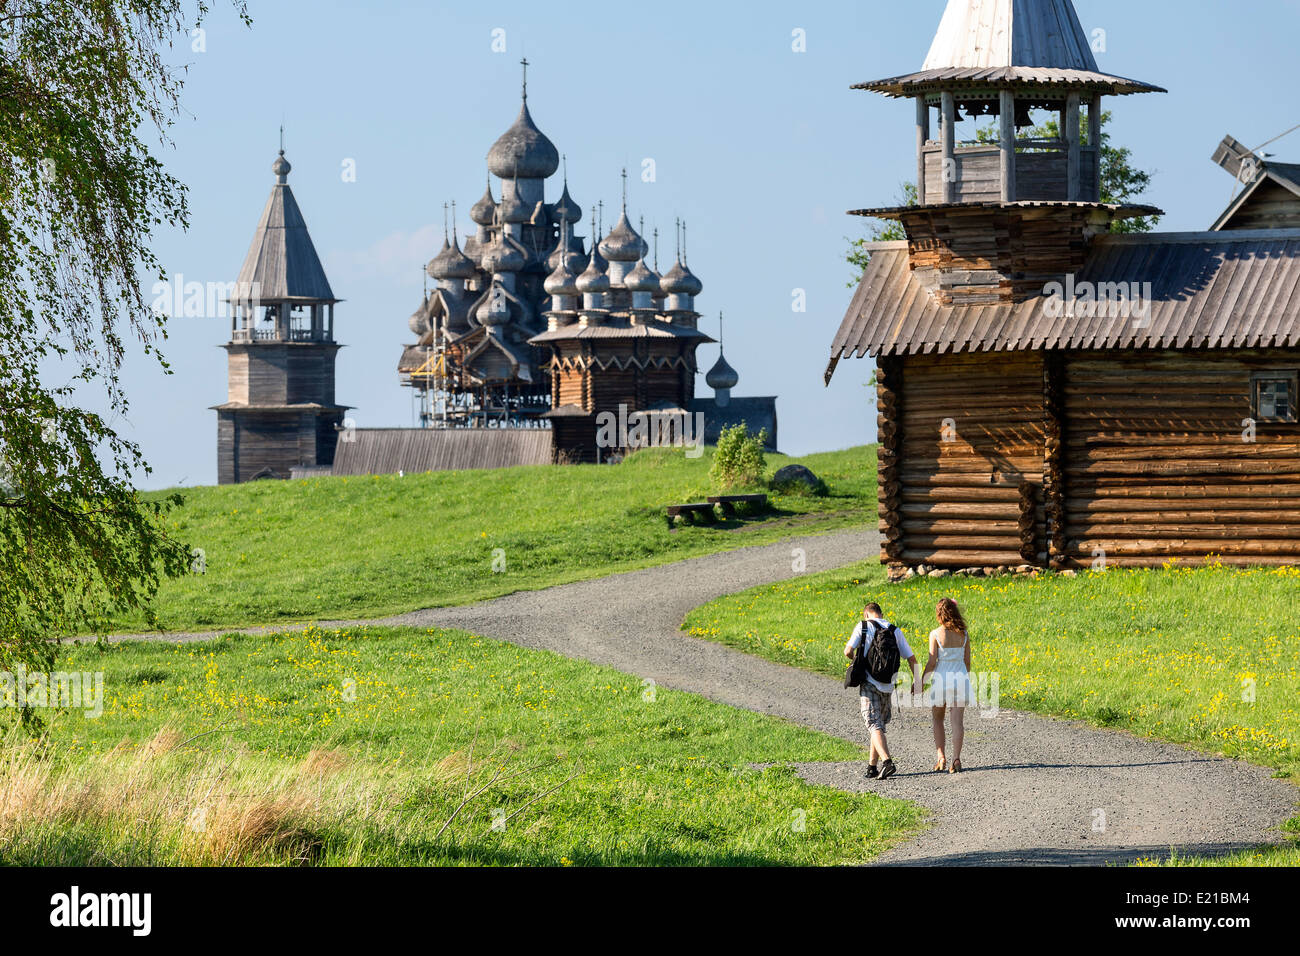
{"x": 1052, "y": 391}
{"x": 280, "y": 412}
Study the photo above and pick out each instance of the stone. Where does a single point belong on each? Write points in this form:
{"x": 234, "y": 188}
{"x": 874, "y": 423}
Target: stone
{"x": 796, "y": 479}
{"x": 940, "y": 573}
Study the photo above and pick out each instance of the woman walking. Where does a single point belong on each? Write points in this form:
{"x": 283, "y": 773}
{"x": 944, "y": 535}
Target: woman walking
{"x": 951, "y": 688}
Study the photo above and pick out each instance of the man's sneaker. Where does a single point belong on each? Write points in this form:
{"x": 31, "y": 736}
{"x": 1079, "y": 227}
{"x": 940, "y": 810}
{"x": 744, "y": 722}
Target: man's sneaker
{"x": 872, "y": 772}
{"x": 888, "y": 770}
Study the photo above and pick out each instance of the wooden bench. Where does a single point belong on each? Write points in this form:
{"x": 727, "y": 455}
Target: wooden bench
{"x": 728, "y": 502}
{"x": 688, "y": 513}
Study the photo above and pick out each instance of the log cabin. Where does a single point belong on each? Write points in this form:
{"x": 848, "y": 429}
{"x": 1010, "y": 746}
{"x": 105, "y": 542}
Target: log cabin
{"x": 1050, "y": 391}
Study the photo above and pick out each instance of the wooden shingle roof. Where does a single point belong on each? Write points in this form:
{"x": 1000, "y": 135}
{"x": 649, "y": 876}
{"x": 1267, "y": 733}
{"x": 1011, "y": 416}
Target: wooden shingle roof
{"x": 1001, "y": 42}
{"x": 1208, "y": 290}
{"x": 282, "y": 260}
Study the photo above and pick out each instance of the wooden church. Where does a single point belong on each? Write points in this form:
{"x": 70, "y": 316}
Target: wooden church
{"x": 1051, "y": 392}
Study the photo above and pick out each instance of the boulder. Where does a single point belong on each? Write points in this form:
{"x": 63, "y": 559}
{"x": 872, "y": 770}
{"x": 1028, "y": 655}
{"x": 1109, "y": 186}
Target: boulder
{"x": 797, "y": 480}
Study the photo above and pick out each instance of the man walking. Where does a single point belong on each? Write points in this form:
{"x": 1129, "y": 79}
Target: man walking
{"x": 883, "y": 646}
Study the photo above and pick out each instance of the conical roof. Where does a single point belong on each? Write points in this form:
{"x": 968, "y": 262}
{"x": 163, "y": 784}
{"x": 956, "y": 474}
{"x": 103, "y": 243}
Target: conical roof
{"x": 523, "y": 150}
{"x": 282, "y": 262}
{"x": 1009, "y": 42}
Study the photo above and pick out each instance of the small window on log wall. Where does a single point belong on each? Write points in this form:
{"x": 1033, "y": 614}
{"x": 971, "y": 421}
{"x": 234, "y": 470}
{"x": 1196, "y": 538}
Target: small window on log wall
{"x": 1274, "y": 396}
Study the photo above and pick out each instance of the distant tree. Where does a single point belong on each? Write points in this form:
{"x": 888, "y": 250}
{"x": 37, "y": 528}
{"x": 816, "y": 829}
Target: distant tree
{"x": 80, "y": 196}
{"x": 880, "y": 230}
{"x": 1121, "y": 182}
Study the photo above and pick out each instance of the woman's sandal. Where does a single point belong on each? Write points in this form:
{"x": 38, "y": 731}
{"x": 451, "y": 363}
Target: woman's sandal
{"x": 955, "y": 767}
{"x": 940, "y": 765}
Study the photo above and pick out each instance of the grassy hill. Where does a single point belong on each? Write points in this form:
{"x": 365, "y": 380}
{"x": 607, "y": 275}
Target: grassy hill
{"x": 349, "y": 548}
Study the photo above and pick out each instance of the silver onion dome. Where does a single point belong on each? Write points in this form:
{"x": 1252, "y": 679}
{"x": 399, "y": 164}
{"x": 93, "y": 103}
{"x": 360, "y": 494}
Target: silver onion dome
{"x": 623, "y": 244}
{"x": 501, "y": 256}
{"x": 595, "y": 278}
{"x": 566, "y": 209}
{"x": 562, "y": 281}
{"x": 484, "y": 211}
{"x": 451, "y": 263}
{"x": 642, "y": 279}
{"x": 523, "y": 150}
{"x": 679, "y": 280}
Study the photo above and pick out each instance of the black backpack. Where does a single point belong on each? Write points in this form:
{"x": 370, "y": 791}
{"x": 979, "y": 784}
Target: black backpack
{"x": 882, "y": 656}
{"x": 877, "y": 660}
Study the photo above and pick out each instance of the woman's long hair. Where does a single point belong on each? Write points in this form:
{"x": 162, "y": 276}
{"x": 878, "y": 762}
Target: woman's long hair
{"x": 949, "y": 615}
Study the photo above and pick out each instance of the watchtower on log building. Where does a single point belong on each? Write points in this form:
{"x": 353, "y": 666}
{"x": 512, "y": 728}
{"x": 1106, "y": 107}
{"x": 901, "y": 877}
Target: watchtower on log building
{"x": 1052, "y": 392}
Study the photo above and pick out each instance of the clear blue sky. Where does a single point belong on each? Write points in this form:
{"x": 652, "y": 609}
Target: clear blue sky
{"x": 761, "y": 149}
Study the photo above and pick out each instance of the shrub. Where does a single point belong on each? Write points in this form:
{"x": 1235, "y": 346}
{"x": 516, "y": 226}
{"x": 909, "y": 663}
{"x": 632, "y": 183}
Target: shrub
{"x": 738, "y": 460}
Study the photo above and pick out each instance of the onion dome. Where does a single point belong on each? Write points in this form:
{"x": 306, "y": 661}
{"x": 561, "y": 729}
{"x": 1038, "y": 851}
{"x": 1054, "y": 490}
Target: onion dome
{"x": 419, "y": 321}
{"x": 434, "y": 268}
{"x": 573, "y": 256}
{"x": 722, "y": 375}
{"x": 562, "y": 281}
{"x": 501, "y": 256}
{"x": 484, "y": 211}
{"x": 595, "y": 279}
{"x": 641, "y": 279}
{"x": 623, "y": 244}
{"x": 523, "y": 150}
{"x": 281, "y": 167}
{"x": 451, "y": 263}
{"x": 679, "y": 280}
{"x": 566, "y": 209}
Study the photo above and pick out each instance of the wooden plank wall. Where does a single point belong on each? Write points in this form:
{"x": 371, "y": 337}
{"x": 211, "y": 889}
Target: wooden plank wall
{"x": 385, "y": 451}
{"x": 1039, "y": 176}
{"x": 969, "y": 431}
{"x": 1157, "y": 468}
{"x": 1271, "y": 207}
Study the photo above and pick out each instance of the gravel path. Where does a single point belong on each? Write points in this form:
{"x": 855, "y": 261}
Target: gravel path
{"x": 1036, "y": 791}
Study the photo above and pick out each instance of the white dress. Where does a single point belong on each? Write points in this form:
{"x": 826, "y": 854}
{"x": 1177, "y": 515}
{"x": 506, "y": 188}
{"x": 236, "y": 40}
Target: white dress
{"x": 951, "y": 686}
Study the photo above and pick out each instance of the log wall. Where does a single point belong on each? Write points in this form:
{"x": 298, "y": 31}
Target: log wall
{"x": 960, "y": 436}
{"x": 1129, "y": 458}
{"x": 1158, "y": 465}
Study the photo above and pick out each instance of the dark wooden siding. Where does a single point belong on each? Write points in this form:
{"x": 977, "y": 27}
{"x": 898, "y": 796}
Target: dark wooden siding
{"x": 972, "y": 433}
{"x": 1157, "y": 466}
{"x": 385, "y": 451}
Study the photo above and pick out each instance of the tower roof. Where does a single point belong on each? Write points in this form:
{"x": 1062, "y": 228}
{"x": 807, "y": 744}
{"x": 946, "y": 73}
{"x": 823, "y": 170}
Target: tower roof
{"x": 282, "y": 263}
{"x": 1001, "y": 43}
{"x": 523, "y": 151}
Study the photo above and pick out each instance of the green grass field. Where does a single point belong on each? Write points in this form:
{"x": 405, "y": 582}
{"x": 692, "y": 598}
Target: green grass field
{"x": 352, "y": 548}
{"x": 1206, "y": 656}
{"x": 358, "y": 746}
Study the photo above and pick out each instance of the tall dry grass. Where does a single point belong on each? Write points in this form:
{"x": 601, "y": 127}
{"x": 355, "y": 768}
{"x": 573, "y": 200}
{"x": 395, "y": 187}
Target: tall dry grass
{"x": 163, "y": 802}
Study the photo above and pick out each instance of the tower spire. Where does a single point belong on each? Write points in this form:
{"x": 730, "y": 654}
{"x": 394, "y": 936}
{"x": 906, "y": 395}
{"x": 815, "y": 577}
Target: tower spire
{"x": 445, "y": 233}
{"x": 625, "y": 189}
{"x": 524, "y": 64}
{"x": 455, "y": 237}
{"x": 656, "y": 248}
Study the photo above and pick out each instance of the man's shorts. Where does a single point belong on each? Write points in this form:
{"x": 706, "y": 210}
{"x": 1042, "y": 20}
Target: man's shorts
{"x": 877, "y": 707}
